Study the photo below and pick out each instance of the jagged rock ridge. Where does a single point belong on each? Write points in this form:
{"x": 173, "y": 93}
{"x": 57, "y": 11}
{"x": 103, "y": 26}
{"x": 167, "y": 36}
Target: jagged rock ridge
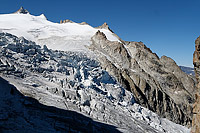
{"x": 158, "y": 84}
{"x": 105, "y": 26}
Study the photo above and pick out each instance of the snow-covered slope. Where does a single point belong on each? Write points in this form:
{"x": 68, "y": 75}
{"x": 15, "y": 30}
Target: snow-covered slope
{"x": 65, "y": 36}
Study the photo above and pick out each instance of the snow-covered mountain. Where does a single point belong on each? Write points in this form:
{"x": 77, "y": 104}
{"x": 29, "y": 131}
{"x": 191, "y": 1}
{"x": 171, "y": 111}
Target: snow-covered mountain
{"x": 60, "y": 66}
{"x": 66, "y": 36}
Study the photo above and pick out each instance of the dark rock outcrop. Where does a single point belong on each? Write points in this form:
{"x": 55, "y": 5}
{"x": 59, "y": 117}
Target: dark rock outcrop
{"x": 156, "y": 83}
{"x": 22, "y": 11}
{"x": 66, "y": 21}
{"x": 196, "y": 106}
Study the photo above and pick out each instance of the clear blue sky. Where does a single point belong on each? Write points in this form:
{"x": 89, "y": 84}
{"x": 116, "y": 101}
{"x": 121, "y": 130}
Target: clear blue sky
{"x": 167, "y": 27}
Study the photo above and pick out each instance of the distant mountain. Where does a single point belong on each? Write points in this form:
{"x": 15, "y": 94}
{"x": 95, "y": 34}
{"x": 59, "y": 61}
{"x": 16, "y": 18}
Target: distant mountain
{"x": 188, "y": 70}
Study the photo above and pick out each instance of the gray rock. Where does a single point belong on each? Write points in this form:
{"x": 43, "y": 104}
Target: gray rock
{"x": 104, "y": 26}
{"x": 156, "y": 83}
{"x": 196, "y": 105}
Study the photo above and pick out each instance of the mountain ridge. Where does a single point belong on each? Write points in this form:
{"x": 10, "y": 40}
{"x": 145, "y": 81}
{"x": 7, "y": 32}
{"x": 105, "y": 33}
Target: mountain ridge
{"x": 147, "y": 77}
{"x": 92, "y": 71}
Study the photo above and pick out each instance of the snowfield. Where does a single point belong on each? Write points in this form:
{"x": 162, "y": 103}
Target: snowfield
{"x": 65, "y": 36}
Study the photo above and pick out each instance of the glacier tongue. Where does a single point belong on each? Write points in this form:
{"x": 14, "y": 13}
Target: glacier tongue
{"x": 74, "y": 81}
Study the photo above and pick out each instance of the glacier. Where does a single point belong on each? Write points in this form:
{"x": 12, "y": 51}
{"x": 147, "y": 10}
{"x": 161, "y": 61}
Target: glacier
{"x": 52, "y": 64}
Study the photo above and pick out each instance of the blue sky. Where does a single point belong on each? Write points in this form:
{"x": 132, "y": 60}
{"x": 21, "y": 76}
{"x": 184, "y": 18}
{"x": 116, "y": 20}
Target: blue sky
{"x": 167, "y": 27}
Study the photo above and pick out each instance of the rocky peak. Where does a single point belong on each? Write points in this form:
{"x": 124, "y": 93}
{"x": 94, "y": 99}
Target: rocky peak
{"x": 66, "y": 21}
{"x": 22, "y": 11}
{"x": 83, "y": 23}
{"x": 104, "y": 26}
{"x": 196, "y": 105}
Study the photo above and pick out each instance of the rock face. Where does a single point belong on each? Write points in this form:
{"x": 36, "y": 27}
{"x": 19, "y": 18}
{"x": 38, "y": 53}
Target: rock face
{"x": 156, "y": 83}
{"x": 196, "y": 106}
{"x": 104, "y": 26}
{"x": 66, "y": 21}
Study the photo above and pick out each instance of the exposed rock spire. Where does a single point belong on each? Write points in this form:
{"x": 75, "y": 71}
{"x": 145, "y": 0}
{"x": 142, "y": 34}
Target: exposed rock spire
{"x": 22, "y": 11}
{"x": 104, "y": 26}
{"x": 196, "y": 106}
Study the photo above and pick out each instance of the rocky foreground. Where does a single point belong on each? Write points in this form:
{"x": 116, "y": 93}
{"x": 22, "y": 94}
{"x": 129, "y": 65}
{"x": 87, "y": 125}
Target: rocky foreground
{"x": 196, "y": 106}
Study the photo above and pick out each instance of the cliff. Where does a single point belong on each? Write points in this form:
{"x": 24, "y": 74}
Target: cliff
{"x": 156, "y": 83}
{"x": 196, "y": 106}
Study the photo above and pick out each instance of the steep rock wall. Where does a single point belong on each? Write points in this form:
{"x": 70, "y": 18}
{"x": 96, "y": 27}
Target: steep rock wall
{"x": 196, "y": 106}
{"x": 158, "y": 84}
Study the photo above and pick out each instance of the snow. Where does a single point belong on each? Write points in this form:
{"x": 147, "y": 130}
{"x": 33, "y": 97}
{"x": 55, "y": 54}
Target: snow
{"x": 65, "y": 36}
